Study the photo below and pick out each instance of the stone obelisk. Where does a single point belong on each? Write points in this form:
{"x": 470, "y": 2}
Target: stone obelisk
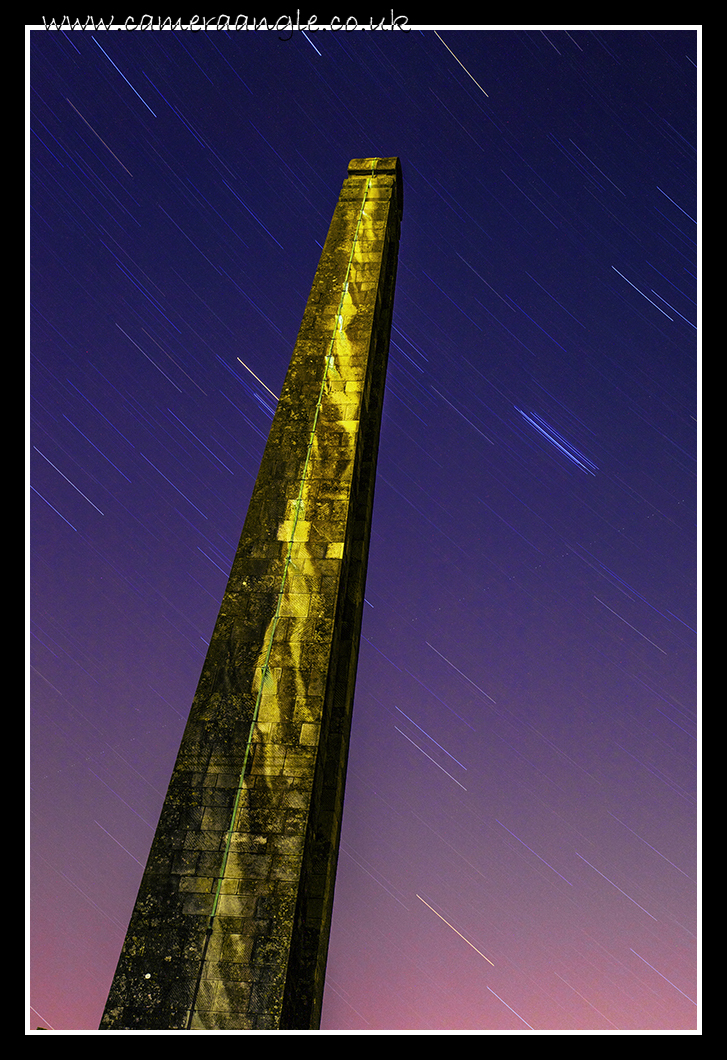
{"x": 231, "y": 924}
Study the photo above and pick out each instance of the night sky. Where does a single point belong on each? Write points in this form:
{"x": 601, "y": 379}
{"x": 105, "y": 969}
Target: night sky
{"x": 519, "y": 849}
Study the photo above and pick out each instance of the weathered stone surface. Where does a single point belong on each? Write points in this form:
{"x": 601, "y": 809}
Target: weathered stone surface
{"x": 230, "y": 928}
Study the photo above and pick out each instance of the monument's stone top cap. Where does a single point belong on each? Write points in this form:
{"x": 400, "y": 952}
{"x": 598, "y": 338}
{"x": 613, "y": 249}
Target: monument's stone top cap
{"x": 362, "y": 166}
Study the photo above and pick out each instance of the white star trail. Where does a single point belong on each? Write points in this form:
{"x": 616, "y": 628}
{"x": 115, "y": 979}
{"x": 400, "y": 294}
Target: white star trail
{"x": 461, "y": 64}
{"x": 454, "y": 929}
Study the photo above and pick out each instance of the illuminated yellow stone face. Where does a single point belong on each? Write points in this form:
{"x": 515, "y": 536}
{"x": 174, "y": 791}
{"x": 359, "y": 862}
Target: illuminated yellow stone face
{"x": 315, "y": 539}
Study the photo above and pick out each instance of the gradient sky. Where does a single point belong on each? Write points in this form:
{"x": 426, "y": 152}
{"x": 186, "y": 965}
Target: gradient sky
{"x": 519, "y": 846}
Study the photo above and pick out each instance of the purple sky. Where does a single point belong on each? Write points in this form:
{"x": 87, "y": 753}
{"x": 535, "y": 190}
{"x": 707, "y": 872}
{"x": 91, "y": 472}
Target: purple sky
{"x": 519, "y": 843}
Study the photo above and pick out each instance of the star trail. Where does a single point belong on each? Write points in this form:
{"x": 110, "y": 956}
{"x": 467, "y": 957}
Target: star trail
{"x": 525, "y": 740}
